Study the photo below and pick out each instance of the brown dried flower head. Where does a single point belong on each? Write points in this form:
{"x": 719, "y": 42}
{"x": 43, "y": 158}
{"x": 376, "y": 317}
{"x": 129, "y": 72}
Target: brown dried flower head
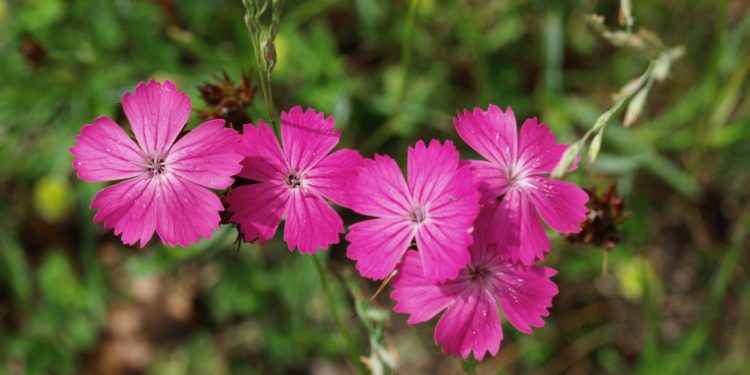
{"x": 605, "y": 215}
{"x": 226, "y": 101}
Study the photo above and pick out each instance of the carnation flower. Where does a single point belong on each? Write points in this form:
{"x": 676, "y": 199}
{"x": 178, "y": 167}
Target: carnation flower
{"x": 471, "y": 322}
{"x": 293, "y": 181}
{"x": 513, "y": 174}
{"x": 437, "y": 207}
{"x": 166, "y": 183}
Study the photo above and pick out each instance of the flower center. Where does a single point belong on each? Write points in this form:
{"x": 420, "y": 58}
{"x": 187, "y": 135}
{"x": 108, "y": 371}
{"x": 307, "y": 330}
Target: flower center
{"x": 418, "y": 215}
{"x": 293, "y": 181}
{"x": 156, "y": 167}
{"x": 515, "y": 175}
{"x": 477, "y": 273}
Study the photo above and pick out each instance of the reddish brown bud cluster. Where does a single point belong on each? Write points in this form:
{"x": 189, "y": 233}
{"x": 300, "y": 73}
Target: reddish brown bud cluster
{"x": 604, "y": 217}
{"x": 33, "y": 51}
{"x": 227, "y": 101}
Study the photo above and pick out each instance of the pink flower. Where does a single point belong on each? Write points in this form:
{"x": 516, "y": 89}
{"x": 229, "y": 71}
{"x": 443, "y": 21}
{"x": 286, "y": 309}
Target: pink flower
{"x": 293, "y": 181}
{"x": 471, "y": 322}
{"x": 437, "y": 207}
{"x": 513, "y": 174}
{"x": 166, "y": 187}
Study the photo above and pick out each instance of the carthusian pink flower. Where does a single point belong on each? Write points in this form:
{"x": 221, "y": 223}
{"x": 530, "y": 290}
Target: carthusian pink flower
{"x": 437, "y": 206}
{"x": 166, "y": 187}
{"x": 471, "y": 322}
{"x": 513, "y": 174}
{"x": 293, "y": 181}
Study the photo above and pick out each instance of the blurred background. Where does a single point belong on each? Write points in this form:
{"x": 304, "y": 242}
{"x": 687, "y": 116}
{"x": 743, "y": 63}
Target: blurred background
{"x": 672, "y": 295}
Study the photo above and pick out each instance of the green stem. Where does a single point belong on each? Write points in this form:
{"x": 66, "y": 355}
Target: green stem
{"x": 265, "y": 85}
{"x": 252, "y": 12}
{"x": 351, "y": 348}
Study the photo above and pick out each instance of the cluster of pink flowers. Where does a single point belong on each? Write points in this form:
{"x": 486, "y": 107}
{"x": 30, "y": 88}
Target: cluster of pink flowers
{"x": 463, "y": 235}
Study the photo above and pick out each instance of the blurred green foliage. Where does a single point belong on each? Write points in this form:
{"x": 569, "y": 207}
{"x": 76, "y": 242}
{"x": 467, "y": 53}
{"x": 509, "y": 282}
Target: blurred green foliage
{"x": 676, "y": 299}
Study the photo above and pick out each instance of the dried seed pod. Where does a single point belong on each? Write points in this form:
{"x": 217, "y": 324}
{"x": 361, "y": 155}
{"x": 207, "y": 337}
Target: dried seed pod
{"x": 605, "y": 215}
{"x": 228, "y": 101}
{"x": 33, "y": 51}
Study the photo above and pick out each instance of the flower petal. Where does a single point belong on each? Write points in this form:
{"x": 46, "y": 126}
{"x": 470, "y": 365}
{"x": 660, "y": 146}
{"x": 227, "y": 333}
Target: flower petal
{"x": 537, "y": 150}
{"x": 491, "y": 133}
{"x": 333, "y": 174}
{"x": 470, "y": 324}
{"x": 524, "y": 293}
{"x": 206, "y": 156}
{"x": 311, "y": 223}
{"x": 379, "y": 189}
{"x": 264, "y": 161}
{"x": 128, "y": 207}
{"x": 430, "y": 169}
{"x": 519, "y": 234}
{"x": 104, "y": 152}
{"x": 157, "y": 112}
{"x": 444, "y": 237}
{"x": 483, "y": 247}
{"x": 307, "y": 137}
{"x": 186, "y": 211}
{"x": 490, "y": 180}
{"x": 377, "y": 245}
{"x": 258, "y": 209}
{"x": 561, "y": 204}
{"x": 419, "y": 296}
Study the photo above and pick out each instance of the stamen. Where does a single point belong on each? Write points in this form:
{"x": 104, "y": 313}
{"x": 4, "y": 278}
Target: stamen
{"x": 418, "y": 215}
{"x": 477, "y": 272}
{"x": 156, "y": 167}
{"x": 293, "y": 181}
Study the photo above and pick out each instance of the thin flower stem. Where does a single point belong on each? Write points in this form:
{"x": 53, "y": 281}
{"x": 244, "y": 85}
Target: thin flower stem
{"x": 257, "y": 37}
{"x": 351, "y": 348}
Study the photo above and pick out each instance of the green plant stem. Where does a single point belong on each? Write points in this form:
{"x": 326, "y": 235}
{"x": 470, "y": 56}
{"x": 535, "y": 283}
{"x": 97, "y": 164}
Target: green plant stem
{"x": 348, "y": 341}
{"x": 265, "y": 85}
{"x": 252, "y": 12}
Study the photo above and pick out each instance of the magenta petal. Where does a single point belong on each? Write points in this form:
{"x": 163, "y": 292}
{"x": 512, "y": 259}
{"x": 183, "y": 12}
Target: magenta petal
{"x": 444, "y": 238}
{"x": 104, "y": 152}
{"x": 128, "y": 208}
{"x": 379, "y": 189}
{"x": 491, "y": 133}
{"x": 377, "y": 245}
{"x": 537, "y": 150}
{"x": 332, "y": 175}
{"x": 419, "y": 296}
{"x": 307, "y": 137}
{"x": 483, "y": 248}
{"x": 207, "y": 156}
{"x": 311, "y": 223}
{"x": 470, "y": 324}
{"x": 185, "y": 211}
{"x": 490, "y": 180}
{"x": 561, "y": 204}
{"x": 444, "y": 249}
{"x": 430, "y": 169}
{"x": 157, "y": 112}
{"x": 258, "y": 209}
{"x": 519, "y": 233}
{"x": 525, "y": 294}
{"x": 264, "y": 160}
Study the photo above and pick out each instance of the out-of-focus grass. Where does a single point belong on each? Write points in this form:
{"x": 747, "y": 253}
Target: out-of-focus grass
{"x": 675, "y": 300}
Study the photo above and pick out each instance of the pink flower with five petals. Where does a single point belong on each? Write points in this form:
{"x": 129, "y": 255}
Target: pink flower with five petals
{"x": 471, "y": 322}
{"x": 293, "y": 181}
{"x": 437, "y": 207}
{"x": 513, "y": 173}
{"x": 167, "y": 182}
